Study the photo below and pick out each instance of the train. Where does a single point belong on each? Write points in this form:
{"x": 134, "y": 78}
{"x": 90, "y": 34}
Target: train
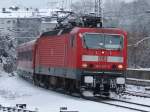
{"x": 78, "y": 56}
{"x": 85, "y": 60}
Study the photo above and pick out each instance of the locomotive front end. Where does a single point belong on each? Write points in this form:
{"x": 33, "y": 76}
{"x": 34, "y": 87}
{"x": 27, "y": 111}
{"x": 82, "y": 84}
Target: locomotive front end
{"x": 103, "y": 61}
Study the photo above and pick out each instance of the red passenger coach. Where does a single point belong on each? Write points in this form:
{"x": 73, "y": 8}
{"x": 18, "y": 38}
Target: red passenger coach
{"x": 25, "y": 62}
{"x": 77, "y": 59}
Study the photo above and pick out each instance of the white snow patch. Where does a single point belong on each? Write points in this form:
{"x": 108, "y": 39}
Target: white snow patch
{"x": 14, "y": 90}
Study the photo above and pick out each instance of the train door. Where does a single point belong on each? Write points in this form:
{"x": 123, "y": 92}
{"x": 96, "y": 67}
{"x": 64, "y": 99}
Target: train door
{"x": 70, "y": 54}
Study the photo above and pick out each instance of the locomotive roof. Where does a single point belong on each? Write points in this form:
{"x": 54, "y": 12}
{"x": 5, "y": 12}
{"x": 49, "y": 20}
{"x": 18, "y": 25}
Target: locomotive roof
{"x": 27, "y": 44}
{"x": 56, "y": 32}
{"x": 76, "y": 29}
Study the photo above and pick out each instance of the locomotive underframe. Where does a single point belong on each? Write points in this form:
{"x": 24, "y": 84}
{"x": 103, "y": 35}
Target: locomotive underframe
{"x": 99, "y": 82}
{"x": 103, "y": 82}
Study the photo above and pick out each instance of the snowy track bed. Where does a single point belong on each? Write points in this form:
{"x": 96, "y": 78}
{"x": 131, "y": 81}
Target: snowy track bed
{"x": 129, "y": 105}
{"x": 14, "y": 90}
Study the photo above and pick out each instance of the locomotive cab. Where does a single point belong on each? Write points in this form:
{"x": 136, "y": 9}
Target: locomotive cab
{"x": 102, "y": 62}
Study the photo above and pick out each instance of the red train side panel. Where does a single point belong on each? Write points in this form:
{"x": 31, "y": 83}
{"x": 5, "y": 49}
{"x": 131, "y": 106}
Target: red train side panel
{"x": 77, "y": 55}
{"x": 50, "y": 54}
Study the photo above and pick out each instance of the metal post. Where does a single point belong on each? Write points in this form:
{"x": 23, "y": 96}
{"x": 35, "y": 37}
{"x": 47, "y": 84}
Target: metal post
{"x": 98, "y": 8}
{"x": 135, "y": 60}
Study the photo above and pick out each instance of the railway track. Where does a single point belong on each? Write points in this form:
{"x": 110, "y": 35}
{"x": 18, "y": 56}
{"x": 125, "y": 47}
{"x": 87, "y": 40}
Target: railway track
{"x": 137, "y": 94}
{"x": 112, "y": 102}
{"x": 123, "y": 104}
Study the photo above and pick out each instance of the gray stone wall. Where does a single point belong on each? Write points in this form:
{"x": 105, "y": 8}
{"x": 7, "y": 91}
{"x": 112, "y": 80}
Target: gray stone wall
{"x": 139, "y": 74}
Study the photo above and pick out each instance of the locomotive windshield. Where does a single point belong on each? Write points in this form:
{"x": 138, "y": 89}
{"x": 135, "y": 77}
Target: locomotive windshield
{"x": 102, "y": 41}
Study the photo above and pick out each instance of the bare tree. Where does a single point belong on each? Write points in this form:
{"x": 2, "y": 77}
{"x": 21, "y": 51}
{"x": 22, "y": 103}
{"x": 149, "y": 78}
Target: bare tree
{"x": 133, "y": 18}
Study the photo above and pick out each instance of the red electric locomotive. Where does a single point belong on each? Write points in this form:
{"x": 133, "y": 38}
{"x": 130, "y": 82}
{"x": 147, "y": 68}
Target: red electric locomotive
{"x": 78, "y": 59}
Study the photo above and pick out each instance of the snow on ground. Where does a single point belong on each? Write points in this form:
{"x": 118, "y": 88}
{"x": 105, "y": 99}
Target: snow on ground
{"x": 14, "y": 90}
{"x": 140, "y": 89}
{"x": 139, "y": 69}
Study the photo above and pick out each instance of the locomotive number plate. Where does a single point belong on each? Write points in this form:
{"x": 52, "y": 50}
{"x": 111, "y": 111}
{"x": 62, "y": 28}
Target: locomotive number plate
{"x": 102, "y": 58}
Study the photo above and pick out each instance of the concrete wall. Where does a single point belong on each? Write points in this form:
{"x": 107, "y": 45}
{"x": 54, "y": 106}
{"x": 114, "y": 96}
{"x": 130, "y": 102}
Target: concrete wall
{"x": 138, "y": 74}
{"x": 138, "y": 77}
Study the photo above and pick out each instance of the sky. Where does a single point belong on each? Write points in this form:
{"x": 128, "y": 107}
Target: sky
{"x": 32, "y": 3}
{"x": 37, "y": 3}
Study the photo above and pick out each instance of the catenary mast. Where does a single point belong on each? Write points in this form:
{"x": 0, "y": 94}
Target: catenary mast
{"x": 98, "y": 9}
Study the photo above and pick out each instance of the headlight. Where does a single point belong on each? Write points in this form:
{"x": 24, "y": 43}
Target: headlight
{"x": 120, "y": 80}
{"x": 88, "y": 79}
{"x": 120, "y": 66}
{"x": 84, "y": 65}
